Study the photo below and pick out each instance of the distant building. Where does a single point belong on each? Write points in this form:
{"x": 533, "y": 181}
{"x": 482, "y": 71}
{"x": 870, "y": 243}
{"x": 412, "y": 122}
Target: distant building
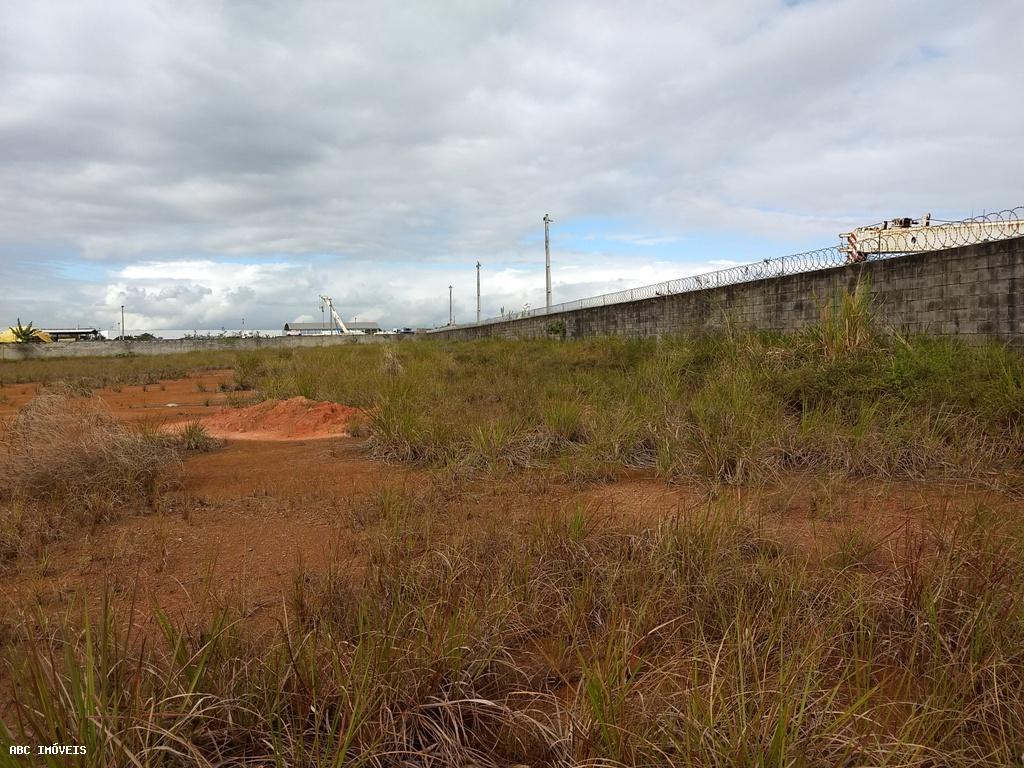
{"x": 320, "y": 329}
{"x": 74, "y": 334}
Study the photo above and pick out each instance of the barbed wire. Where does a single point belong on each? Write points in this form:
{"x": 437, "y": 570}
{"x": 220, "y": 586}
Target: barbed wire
{"x": 891, "y": 239}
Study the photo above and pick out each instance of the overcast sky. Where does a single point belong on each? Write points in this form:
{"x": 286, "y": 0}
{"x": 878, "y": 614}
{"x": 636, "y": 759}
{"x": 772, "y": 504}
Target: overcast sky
{"x": 201, "y": 162}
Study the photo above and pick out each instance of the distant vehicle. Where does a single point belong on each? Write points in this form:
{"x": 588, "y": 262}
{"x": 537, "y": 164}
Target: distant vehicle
{"x": 404, "y": 330}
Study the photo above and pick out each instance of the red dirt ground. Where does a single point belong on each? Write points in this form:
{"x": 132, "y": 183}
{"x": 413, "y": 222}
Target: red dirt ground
{"x": 245, "y": 515}
{"x": 167, "y": 400}
{"x": 295, "y": 419}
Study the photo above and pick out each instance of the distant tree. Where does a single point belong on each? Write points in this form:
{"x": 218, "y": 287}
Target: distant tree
{"x": 25, "y": 334}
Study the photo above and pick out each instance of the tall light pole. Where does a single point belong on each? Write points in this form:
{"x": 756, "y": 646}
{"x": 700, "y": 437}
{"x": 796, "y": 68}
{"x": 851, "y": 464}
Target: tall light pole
{"x": 478, "y": 293}
{"x": 451, "y": 315}
{"x": 547, "y": 260}
{"x": 122, "y": 322}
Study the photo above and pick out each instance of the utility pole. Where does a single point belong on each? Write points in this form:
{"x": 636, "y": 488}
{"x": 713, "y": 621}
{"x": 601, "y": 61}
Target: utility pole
{"x": 451, "y": 315}
{"x": 122, "y": 322}
{"x": 478, "y": 293}
{"x": 547, "y": 260}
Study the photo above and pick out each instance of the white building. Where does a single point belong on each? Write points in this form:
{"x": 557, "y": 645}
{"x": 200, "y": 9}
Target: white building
{"x": 325, "y": 329}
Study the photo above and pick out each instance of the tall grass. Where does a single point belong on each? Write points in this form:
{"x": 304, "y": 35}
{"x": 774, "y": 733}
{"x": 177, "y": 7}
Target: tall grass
{"x": 571, "y": 641}
{"x": 96, "y": 372}
{"x": 841, "y": 397}
{"x": 846, "y": 322}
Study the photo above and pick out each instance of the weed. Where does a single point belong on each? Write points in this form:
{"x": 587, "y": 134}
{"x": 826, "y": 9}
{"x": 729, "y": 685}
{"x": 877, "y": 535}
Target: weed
{"x": 195, "y": 438}
{"x": 556, "y": 329}
{"x": 847, "y": 323}
{"x": 391, "y": 364}
{"x": 249, "y": 367}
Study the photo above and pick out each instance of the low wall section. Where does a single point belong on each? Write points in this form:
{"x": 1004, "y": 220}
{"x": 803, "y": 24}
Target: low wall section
{"x": 174, "y": 346}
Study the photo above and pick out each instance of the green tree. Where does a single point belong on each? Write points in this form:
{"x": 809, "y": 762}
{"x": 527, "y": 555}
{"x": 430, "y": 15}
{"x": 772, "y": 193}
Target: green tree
{"x": 25, "y": 333}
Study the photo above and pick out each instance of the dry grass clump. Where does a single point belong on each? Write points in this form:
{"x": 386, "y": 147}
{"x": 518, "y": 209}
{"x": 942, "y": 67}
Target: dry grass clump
{"x": 66, "y": 462}
{"x": 572, "y": 641}
{"x": 846, "y": 323}
{"x": 195, "y": 438}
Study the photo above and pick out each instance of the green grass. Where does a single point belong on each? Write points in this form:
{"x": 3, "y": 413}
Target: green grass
{"x": 195, "y": 438}
{"x": 721, "y": 408}
{"x": 96, "y": 372}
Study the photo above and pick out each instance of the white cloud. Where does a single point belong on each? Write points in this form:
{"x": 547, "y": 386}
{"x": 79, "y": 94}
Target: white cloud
{"x": 213, "y": 158}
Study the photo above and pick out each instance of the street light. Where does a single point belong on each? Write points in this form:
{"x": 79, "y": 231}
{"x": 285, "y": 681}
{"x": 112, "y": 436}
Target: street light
{"x": 451, "y": 314}
{"x": 547, "y": 260}
{"x": 122, "y": 322}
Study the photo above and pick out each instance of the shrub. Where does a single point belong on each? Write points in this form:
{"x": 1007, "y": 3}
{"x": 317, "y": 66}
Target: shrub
{"x": 195, "y": 438}
{"x": 556, "y": 329}
{"x": 66, "y": 462}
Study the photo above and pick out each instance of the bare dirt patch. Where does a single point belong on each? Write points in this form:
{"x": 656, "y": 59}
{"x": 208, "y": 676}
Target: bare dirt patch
{"x": 160, "y": 401}
{"x": 297, "y": 418}
{"x": 246, "y": 516}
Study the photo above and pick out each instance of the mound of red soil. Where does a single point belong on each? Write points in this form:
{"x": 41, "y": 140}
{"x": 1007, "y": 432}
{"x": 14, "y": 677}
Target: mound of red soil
{"x": 295, "y": 419}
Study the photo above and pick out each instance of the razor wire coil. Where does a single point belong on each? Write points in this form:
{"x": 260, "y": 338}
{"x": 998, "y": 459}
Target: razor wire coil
{"x": 880, "y": 242}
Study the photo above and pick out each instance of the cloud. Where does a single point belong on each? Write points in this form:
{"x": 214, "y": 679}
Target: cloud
{"x": 201, "y": 160}
{"x": 644, "y": 240}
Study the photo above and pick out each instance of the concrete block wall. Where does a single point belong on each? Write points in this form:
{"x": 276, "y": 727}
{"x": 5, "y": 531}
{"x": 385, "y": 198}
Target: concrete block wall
{"x": 974, "y": 292}
{"x": 175, "y": 346}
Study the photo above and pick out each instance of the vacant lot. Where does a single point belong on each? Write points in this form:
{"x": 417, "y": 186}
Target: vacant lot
{"x": 740, "y": 550}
